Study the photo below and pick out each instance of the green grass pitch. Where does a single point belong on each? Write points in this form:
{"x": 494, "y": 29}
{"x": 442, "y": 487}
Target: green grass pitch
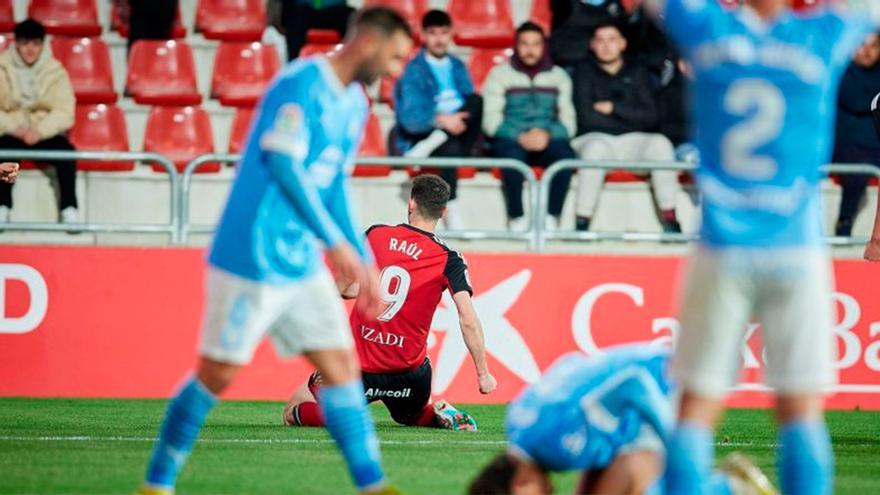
{"x": 101, "y": 447}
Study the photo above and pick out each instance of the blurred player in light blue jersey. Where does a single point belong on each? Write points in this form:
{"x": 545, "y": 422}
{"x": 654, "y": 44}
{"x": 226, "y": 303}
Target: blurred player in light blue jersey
{"x": 608, "y": 416}
{"x": 266, "y": 269}
{"x": 764, "y": 98}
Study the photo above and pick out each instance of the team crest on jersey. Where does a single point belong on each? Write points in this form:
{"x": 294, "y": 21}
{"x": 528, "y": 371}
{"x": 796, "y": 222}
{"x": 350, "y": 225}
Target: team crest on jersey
{"x": 290, "y": 118}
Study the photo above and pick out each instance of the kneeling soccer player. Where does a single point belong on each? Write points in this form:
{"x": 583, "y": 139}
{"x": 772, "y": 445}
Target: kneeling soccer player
{"x": 607, "y": 416}
{"x": 416, "y": 267}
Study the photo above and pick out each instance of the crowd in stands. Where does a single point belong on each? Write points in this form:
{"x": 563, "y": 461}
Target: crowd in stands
{"x": 589, "y": 79}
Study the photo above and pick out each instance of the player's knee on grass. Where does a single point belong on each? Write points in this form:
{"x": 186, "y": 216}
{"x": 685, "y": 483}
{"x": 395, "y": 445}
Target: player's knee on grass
{"x": 506, "y": 474}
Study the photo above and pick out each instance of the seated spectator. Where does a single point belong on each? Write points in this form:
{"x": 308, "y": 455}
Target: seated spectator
{"x": 438, "y": 112}
{"x": 36, "y": 110}
{"x": 298, "y": 16}
{"x": 529, "y": 117}
{"x": 856, "y": 141}
{"x": 572, "y": 22}
{"x": 616, "y": 110}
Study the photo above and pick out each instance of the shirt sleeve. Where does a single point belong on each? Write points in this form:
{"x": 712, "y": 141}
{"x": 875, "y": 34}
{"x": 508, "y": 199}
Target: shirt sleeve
{"x": 688, "y": 22}
{"x": 456, "y": 272}
{"x": 286, "y": 145}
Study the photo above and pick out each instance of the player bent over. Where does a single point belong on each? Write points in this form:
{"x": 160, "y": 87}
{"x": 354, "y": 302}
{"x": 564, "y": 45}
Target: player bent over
{"x": 608, "y": 416}
{"x": 266, "y": 271}
{"x": 416, "y": 267}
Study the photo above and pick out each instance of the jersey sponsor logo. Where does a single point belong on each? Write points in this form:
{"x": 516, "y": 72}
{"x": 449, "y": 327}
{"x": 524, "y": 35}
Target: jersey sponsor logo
{"x": 39, "y": 298}
{"x": 377, "y": 393}
{"x": 410, "y": 249}
{"x": 381, "y": 338}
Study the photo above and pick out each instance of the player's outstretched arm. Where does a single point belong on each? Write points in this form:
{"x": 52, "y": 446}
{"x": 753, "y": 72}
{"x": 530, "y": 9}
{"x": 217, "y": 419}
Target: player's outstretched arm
{"x": 8, "y": 172}
{"x": 474, "y": 340}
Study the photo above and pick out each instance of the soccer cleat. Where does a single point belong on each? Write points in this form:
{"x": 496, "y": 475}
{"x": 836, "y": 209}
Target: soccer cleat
{"x": 451, "y": 418}
{"x": 153, "y": 490}
{"x": 385, "y": 490}
{"x": 746, "y": 477}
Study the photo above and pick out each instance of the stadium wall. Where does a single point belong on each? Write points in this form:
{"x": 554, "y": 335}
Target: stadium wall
{"x": 123, "y": 322}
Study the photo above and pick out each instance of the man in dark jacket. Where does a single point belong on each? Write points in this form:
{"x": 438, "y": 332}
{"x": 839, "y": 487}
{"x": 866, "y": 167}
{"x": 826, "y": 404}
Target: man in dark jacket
{"x": 856, "y": 141}
{"x": 617, "y": 114}
{"x": 438, "y": 112}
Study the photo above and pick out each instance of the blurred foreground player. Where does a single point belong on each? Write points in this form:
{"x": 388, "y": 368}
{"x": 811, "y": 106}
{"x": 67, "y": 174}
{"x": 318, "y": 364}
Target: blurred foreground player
{"x": 764, "y": 94}
{"x": 607, "y": 416}
{"x": 872, "y": 250}
{"x": 416, "y": 268}
{"x": 266, "y": 270}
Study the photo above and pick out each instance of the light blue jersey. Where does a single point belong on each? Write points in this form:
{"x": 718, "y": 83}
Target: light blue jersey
{"x": 585, "y": 409}
{"x": 764, "y": 103}
{"x": 292, "y": 190}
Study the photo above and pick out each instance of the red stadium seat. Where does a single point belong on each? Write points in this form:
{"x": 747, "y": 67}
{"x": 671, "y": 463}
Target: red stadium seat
{"x": 483, "y": 60}
{"x": 241, "y": 124}
{"x": 117, "y": 23}
{"x": 486, "y": 23}
{"x": 373, "y": 145}
{"x": 7, "y": 16}
{"x": 67, "y": 17}
{"x": 231, "y": 20}
{"x": 411, "y": 10}
{"x": 541, "y": 14}
{"x": 6, "y": 40}
{"x": 314, "y": 49}
{"x": 162, "y": 73}
{"x": 181, "y": 134}
{"x": 323, "y": 37}
{"x": 87, "y": 61}
{"x": 100, "y": 128}
{"x": 242, "y": 71}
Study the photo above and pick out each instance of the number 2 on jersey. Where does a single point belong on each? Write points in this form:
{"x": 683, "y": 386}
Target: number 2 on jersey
{"x": 741, "y": 142}
{"x": 398, "y": 279}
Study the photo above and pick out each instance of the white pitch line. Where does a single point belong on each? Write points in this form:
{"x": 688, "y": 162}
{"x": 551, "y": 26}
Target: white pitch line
{"x": 314, "y": 441}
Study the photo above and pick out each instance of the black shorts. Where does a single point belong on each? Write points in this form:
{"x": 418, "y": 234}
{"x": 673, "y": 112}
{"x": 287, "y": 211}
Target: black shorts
{"x": 404, "y": 394}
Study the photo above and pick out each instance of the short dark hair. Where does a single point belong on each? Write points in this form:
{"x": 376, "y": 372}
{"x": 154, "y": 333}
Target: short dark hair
{"x": 436, "y": 18}
{"x": 383, "y": 19}
{"x": 495, "y": 478}
{"x": 530, "y": 27}
{"x": 431, "y": 193}
{"x": 607, "y": 23}
{"x": 29, "y": 29}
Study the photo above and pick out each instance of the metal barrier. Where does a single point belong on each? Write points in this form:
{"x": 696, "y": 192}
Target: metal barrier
{"x": 541, "y": 236}
{"x": 172, "y": 228}
{"x": 401, "y": 162}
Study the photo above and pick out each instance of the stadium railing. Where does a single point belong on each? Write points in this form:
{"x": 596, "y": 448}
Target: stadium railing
{"x": 528, "y": 237}
{"x": 172, "y": 228}
{"x": 542, "y": 236}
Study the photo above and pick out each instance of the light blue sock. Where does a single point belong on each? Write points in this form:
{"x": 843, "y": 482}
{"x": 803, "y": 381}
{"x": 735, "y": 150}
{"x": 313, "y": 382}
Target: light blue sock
{"x": 183, "y": 419}
{"x": 720, "y": 484}
{"x": 350, "y": 425}
{"x": 690, "y": 455}
{"x": 806, "y": 462}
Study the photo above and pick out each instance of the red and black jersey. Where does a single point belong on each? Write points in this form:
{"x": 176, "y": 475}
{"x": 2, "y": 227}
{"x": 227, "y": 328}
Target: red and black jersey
{"x": 415, "y": 268}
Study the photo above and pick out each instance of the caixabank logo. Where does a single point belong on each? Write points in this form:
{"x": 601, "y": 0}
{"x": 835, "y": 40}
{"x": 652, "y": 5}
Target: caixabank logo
{"x": 26, "y": 311}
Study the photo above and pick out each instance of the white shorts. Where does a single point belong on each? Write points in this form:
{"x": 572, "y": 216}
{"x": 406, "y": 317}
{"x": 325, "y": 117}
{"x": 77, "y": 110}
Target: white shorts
{"x": 304, "y": 316}
{"x": 787, "y": 291}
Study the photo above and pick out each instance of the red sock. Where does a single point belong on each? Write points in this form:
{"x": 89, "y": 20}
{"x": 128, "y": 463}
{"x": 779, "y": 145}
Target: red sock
{"x": 308, "y": 414}
{"x": 426, "y": 417}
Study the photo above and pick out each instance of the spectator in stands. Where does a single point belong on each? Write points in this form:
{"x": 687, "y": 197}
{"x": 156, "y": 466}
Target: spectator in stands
{"x": 617, "y": 112}
{"x": 36, "y": 110}
{"x": 299, "y": 16}
{"x": 150, "y": 19}
{"x": 438, "y": 112}
{"x": 573, "y": 21}
{"x": 529, "y": 117}
{"x": 856, "y": 141}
